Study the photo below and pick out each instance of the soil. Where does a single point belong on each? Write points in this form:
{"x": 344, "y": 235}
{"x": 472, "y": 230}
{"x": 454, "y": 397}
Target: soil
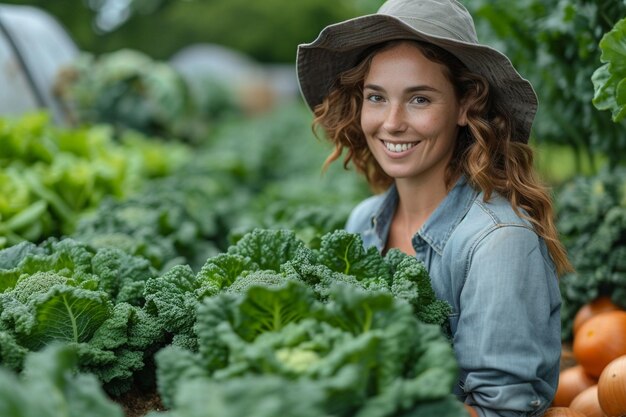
{"x": 567, "y": 356}
{"x": 137, "y": 403}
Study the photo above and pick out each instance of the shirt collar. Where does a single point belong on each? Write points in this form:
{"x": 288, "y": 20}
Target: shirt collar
{"x": 437, "y": 229}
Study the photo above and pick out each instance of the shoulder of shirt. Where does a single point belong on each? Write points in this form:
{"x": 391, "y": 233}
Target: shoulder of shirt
{"x": 481, "y": 220}
{"x": 497, "y": 211}
{"x": 361, "y": 216}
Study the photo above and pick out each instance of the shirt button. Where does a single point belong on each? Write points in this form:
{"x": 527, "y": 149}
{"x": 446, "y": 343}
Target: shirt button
{"x": 535, "y": 403}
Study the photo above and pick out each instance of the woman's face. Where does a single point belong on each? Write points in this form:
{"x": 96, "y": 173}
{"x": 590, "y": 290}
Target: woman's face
{"x": 410, "y": 114}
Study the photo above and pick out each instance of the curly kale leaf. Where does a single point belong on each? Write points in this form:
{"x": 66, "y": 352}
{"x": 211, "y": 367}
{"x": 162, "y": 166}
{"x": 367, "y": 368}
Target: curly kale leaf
{"x": 67, "y": 257}
{"x": 172, "y": 299}
{"x": 122, "y": 275}
{"x": 263, "y": 309}
{"x": 50, "y": 387}
{"x": 110, "y": 339}
{"x": 222, "y": 270}
{"x": 411, "y": 282}
{"x": 592, "y": 221}
{"x": 259, "y": 396}
{"x": 321, "y": 278}
{"x": 267, "y": 279}
{"x": 13, "y": 255}
{"x": 11, "y": 353}
{"x": 344, "y": 252}
{"x": 269, "y": 249}
{"x": 176, "y": 364}
{"x": 45, "y": 307}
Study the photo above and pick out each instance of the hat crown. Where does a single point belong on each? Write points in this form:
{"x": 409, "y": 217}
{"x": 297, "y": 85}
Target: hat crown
{"x": 441, "y": 18}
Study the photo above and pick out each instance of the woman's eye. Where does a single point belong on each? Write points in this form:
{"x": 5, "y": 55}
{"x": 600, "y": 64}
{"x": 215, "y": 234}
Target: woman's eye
{"x": 420, "y": 100}
{"x": 375, "y": 98}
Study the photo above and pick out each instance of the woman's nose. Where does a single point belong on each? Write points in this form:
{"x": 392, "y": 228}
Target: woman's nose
{"x": 395, "y": 119}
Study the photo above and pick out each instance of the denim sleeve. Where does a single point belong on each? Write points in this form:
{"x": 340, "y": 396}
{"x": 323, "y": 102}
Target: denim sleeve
{"x": 508, "y": 335}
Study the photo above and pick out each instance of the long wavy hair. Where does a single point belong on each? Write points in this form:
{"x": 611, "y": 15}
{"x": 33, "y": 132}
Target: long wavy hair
{"x": 485, "y": 152}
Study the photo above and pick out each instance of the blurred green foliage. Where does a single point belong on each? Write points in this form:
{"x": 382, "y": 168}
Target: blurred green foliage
{"x": 555, "y": 45}
{"x": 129, "y": 90}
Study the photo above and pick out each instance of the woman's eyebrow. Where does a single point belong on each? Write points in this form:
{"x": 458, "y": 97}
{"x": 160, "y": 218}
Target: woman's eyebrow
{"x": 412, "y": 89}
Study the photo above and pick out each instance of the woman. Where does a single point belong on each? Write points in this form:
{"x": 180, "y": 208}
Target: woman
{"x": 439, "y": 123}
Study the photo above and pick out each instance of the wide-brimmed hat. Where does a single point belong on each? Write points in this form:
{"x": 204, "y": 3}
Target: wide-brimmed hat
{"x": 445, "y": 23}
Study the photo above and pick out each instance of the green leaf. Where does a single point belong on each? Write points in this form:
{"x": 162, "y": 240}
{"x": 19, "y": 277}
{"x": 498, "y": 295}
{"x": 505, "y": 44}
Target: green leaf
{"x": 223, "y": 269}
{"x": 608, "y": 80}
{"x": 344, "y": 252}
{"x": 604, "y": 85}
{"x": 67, "y": 314}
{"x": 613, "y": 45}
{"x": 258, "y": 396}
{"x": 620, "y": 97}
{"x": 270, "y": 309}
{"x": 27, "y": 216}
{"x": 50, "y": 387}
{"x": 269, "y": 249}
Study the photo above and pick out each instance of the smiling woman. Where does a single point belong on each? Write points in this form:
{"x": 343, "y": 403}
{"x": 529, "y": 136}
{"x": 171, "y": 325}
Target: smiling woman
{"x": 438, "y": 124}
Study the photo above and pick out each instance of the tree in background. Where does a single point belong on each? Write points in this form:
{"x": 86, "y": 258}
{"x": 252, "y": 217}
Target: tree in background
{"x": 267, "y": 30}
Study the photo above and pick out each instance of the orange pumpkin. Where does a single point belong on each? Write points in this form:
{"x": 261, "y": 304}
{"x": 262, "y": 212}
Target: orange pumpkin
{"x": 587, "y": 403}
{"x": 562, "y": 412}
{"x": 572, "y": 381}
{"x": 471, "y": 410}
{"x": 612, "y": 388}
{"x": 599, "y": 340}
{"x": 599, "y": 305}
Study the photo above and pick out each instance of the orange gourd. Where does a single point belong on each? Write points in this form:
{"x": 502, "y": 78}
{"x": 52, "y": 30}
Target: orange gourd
{"x": 599, "y": 340}
{"x": 599, "y": 305}
{"x": 587, "y": 403}
{"x": 471, "y": 410}
{"x": 572, "y": 381}
{"x": 562, "y": 412}
{"x": 612, "y": 388}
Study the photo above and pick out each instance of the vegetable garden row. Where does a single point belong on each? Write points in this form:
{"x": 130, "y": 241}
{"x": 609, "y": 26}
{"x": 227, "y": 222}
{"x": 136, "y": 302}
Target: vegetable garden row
{"x": 205, "y": 273}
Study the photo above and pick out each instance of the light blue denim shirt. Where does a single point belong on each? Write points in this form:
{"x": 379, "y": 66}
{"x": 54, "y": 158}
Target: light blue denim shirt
{"x": 497, "y": 275}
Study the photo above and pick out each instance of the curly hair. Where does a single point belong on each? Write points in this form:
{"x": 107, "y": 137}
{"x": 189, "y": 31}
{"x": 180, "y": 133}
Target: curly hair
{"x": 485, "y": 151}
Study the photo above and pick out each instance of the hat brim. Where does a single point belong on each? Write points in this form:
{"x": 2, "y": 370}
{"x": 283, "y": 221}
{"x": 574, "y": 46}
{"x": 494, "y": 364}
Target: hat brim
{"x": 339, "y": 46}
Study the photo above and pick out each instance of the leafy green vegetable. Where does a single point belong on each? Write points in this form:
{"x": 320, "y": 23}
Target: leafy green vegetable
{"x": 50, "y": 387}
{"x": 129, "y": 90}
{"x": 268, "y": 248}
{"x": 362, "y": 352}
{"x": 66, "y": 292}
{"x": 259, "y": 396}
{"x": 49, "y": 175}
{"x": 592, "y": 223}
{"x": 609, "y": 80}
{"x": 268, "y": 257}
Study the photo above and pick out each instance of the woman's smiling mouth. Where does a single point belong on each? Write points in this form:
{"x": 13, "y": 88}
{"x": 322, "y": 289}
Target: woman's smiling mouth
{"x": 397, "y": 147}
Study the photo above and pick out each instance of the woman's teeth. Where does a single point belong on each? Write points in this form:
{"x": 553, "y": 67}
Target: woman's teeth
{"x": 399, "y": 147}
